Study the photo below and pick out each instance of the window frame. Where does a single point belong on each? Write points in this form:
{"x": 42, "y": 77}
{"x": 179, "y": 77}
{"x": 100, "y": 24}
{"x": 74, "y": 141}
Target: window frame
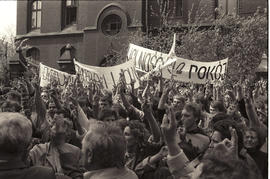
{"x": 66, "y": 12}
{"x": 176, "y": 9}
{"x": 35, "y": 51}
{"x": 35, "y": 11}
{"x": 109, "y": 25}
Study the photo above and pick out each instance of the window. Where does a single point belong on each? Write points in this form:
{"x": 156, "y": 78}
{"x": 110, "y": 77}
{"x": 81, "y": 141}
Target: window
{"x": 36, "y": 14}
{"x": 33, "y": 54}
{"x": 216, "y": 6}
{"x": 111, "y": 25}
{"x": 69, "y": 12}
{"x": 178, "y": 8}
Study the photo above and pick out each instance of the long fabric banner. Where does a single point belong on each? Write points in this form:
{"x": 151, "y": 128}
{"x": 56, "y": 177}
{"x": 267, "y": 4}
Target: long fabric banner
{"x": 108, "y": 76}
{"x": 48, "y": 74}
{"x": 145, "y": 59}
{"x": 194, "y": 71}
{"x": 180, "y": 69}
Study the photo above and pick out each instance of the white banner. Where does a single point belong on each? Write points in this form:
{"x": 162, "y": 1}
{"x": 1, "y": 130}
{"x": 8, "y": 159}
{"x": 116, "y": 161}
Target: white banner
{"x": 108, "y": 76}
{"x": 48, "y": 74}
{"x": 145, "y": 59}
{"x": 180, "y": 69}
{"x": 194, "y": 71}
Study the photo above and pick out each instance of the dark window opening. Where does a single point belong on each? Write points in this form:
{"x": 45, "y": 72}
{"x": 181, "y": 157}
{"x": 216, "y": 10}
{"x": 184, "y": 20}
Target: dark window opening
{"x": 33, "y": 54}
{"x": 179, "y": 8}
{"x": 36, "y": 14}
{"x": 111, "y": 25}
{"x": 216, "y": 6}
{"x": 69, "y": 12}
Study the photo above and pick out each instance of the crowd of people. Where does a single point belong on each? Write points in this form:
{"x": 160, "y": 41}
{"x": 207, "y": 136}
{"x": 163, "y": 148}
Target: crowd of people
{"x": 163, "y": 129}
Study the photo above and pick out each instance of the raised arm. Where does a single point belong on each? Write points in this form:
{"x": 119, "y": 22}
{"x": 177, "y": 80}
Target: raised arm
{"x": 162, "y": 102}
{"x": 148, "y": 116}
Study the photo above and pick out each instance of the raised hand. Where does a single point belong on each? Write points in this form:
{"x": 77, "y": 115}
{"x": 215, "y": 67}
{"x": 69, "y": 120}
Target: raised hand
{"x": 232, "y": 145}
{"x": 169, "y": 126}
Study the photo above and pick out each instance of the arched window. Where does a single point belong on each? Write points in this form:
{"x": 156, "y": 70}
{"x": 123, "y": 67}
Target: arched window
{"x": 36, "y": 7}
{"x": 111, "y": 25}
{"x": 69, "y": 12}
{"x": 33, "y": 54}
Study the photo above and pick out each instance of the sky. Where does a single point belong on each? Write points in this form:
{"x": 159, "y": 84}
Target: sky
{"x": 8, "y": 17}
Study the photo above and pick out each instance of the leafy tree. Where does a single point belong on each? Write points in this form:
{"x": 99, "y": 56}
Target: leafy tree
{"x": 241, "y": 39}
{"x": 7, "y": 51}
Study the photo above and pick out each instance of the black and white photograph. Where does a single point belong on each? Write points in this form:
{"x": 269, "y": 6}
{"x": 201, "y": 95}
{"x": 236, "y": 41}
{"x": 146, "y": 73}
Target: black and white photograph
{"x": 134, "y": 89}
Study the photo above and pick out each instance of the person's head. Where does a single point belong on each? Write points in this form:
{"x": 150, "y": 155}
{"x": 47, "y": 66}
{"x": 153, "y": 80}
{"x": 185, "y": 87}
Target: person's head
{"x": 105, "y": 102}
{"x": 134, "y": 133}
{"x": 45, "y": 96}
{"x": 178, "y": 102}
{"x": 14, "y": 96}
{"x": 191, "y": 115}
{"x": 227, "y": 100}
{"x": 221, "y": 131}
{"x": 11, "y": 106}
{"x": 52, "y": 108}
{"x": 251, "y": 139}
{"x": 61, "y": 113}
{"x": 59, "y": 130}
{"x": 108, "y": 115}
{"x": 217, "y": 107}
{"x": 15, "y": 134}
{"x": 222, "y": 165}
{"x": 232, "y": 109}
{"x": 104, "y": 146}
{"x": 262, "y": 117}
{"x": 199, "y": 99}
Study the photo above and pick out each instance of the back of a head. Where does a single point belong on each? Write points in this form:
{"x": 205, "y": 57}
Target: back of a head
{"x": 223, "y": 168}
{"x": 106, "y": 144}
{"x": 15, "y": 133}
{"x": 11, "y": 106}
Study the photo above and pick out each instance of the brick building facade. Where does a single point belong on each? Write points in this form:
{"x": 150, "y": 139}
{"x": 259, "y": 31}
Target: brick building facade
{"x": 91, "y": 27}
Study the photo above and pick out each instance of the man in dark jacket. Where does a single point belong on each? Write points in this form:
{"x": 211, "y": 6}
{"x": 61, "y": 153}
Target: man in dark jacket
{"x": 15, "y": 136}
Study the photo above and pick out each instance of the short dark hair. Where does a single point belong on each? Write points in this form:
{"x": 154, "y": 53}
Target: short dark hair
{"x": 10, "y": 104}
{"x": 195, "y": 109}
{"x": 107, "y": 144}
{"x": 223, "y": 126}
{"x": 138, "y": 130}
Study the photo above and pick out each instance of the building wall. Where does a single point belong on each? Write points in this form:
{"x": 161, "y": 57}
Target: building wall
{"x": 86, "y": 36}
{"x": 21, "y": 17}
{"x": 51, "y": 16}
{"x": 50, "y": 47}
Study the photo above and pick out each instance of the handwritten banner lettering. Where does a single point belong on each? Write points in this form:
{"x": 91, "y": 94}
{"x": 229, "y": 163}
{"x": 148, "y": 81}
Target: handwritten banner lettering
{"x": 48, "y": 74}
{"x": 108, "y": 76}
{"x": 146, "y": 59}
